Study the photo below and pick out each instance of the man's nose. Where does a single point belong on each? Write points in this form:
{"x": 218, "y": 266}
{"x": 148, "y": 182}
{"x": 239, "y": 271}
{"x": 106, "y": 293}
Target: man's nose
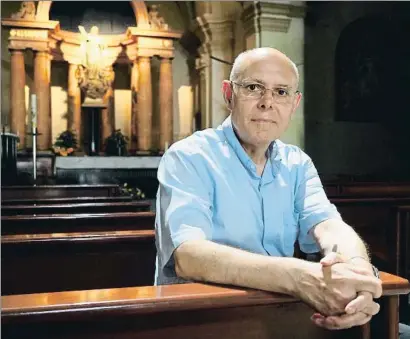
{"x": 266, "y": 101}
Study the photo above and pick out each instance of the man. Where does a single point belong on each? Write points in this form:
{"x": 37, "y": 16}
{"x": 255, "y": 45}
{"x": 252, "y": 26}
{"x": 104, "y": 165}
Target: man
{"x": 233, "y": 201}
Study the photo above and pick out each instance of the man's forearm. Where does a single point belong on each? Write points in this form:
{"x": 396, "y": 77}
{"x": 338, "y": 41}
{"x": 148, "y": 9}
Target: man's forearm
{"x": 335, "y": 235}
{"x": 203, "y": 260}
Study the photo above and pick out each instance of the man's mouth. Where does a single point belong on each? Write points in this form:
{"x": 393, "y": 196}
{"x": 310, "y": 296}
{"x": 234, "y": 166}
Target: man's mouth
{"x": 263, "y": 120}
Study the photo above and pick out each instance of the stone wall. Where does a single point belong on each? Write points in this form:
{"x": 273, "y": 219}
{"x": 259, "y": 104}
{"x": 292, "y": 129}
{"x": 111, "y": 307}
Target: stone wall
{"x": 375, "y": 148}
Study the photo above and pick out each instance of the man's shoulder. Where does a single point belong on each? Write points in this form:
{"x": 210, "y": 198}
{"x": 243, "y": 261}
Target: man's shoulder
{"x": 200, "y": 142}
{"x": 291, "y": 154}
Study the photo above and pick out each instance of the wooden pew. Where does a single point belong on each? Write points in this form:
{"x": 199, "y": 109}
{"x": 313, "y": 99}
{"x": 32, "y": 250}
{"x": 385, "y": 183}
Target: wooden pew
{"x": 194, "y": 311}
{"x": 60, "y": 223}
{"x": 375, "y": 220}
{"x": 58, "y": 191}
{"x": 403, "y": 254}
{"x": 111, "y": 207}
{"x": 403, "y": 226}
{"x": 367, "y": 189}
{"x": 34, "y": 263}
{"x": 70, "y": 200}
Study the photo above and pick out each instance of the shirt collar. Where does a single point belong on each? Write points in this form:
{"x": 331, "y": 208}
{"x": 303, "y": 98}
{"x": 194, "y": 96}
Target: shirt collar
{"x": 232, "y": 139}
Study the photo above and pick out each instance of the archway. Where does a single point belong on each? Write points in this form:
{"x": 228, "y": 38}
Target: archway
{"x": 139, "y": 8}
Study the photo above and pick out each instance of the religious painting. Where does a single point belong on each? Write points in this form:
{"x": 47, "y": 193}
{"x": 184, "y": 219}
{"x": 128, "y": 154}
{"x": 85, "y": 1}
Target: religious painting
{"x": 372, "y": 70}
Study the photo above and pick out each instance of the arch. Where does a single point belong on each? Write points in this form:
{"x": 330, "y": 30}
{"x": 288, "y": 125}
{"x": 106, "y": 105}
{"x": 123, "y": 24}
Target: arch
{"x": 141, "y": 13}
{"x": 139, "y": 8}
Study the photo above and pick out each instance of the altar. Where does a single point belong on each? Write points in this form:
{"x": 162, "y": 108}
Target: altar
{"x": 86, "y": 163}
{"x": 135, "y": 171}
{"x": 84, "y": 103}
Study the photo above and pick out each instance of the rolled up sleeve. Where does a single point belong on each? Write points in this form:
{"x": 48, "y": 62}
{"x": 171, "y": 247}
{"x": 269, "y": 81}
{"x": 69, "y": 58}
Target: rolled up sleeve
{"x": 312, "y": 204}
{"x": 184, "y": 210}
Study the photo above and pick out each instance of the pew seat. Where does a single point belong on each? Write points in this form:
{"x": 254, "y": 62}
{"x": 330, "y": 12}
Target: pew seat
{"x": 196, "y": 311}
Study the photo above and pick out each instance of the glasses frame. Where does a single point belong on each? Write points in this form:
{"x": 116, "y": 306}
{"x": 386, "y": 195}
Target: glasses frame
{"x": 265, "y": 89}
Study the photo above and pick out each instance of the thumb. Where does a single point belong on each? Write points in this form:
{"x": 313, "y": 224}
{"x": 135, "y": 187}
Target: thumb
{"x": 331, "y": 259}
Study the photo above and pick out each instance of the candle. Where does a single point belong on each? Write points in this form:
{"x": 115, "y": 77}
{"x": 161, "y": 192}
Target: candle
{"x": 34, "y": 111}
{"x": 166, "y": 145}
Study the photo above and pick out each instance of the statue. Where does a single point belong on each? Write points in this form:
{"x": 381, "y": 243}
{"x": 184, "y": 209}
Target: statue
{"x": 155, "y": 20}
{"x": 94, "y": 76}
{"x": 27, "y": 11}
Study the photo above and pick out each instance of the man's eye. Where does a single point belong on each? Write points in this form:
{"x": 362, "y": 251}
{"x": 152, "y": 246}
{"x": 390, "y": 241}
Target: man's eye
{"x": 282, "y": 92}
{"x": 254, "y": 88}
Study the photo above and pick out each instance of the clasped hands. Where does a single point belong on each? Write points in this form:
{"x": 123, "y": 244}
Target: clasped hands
{"x": 341, "y": 292}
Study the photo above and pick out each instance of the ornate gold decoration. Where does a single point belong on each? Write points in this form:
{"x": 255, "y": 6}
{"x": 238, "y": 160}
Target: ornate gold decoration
{"x": 27, "y": 11}
{"x": 155, "y": 20}
{"x": 28, "y": 33}
{"x": 95, "y": 82}
{"x": 93, "y": 75}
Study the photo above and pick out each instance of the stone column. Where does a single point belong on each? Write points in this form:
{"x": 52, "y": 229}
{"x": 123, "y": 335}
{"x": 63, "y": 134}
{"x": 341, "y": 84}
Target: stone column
{"x": 144, "y": 110}
{"x": 217, "y": 40}
{"x": 203, "y": 66}
{"x": 165, "y": 103}
{"x": 74, "y": 104}
{"x": 42, "y": 90}
{"x": 281, "y": 26}
{"x": 17, "y": 96}
{"x": 107, "y": 115}
{"x": 134, "y": 105}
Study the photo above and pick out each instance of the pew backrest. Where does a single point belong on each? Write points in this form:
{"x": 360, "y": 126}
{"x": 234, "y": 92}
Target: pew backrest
{"x": 35, "y": 263}
{"x": 64, "y": 223}
{"x": 58, "y": 191}
{"x": 78, "y": 208}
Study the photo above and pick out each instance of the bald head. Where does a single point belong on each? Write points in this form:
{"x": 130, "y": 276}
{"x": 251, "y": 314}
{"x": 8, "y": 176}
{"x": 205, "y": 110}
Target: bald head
{"x": 247, "y": 58}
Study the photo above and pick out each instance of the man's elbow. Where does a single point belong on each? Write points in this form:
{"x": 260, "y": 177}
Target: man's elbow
{"x": 190, "y": 259}
{"x": 183, "y": 260}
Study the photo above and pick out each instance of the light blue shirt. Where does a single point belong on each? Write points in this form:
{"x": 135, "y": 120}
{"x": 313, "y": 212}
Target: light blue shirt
{"x": 209, "y": 189}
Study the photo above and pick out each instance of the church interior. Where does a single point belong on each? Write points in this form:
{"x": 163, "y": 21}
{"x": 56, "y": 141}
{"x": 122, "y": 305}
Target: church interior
{"x": 93, "y": 93}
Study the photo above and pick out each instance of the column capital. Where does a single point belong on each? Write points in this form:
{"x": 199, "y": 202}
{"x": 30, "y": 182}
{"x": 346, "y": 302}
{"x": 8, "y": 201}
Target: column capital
{"x": 203, "y": 61}
{"x": 16, "y": 51}
{"x": 270, "y": 16}
{"x": 215, "y": 34}
{"x": 166, "y": 58}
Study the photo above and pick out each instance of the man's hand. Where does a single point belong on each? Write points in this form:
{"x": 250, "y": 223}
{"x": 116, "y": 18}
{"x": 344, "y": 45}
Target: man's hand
{"x": 330, "y": 290}
{"x": 357, "y": 312}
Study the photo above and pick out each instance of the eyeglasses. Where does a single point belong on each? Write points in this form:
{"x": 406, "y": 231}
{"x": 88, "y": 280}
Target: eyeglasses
{"x": 257, "y": 91}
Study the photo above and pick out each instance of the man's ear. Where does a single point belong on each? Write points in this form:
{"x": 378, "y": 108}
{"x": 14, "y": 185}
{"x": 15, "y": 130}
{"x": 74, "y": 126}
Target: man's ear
{"x": 296, "y": 103}
{"x": 227, "y": 91}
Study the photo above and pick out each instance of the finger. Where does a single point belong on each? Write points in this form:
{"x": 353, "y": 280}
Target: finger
{"x": 369, "y": 284}
{"x": 331, "y": 259}
{"x": 316, "y": 316}
{"x": 372, "y": 310}
{"x": 362, "y": 270}
{"x": 362, "y": 300}
{"x": 344, "y": 321}
{"x": 358, "y": 304}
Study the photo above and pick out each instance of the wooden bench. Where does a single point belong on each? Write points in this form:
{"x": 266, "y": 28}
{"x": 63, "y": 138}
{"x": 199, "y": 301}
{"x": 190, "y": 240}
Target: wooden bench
{"x": 375, "y": 220}
{"x": 96, "y": 207}
{"x": 34, "y": 263}
{"x": 403, "y": 254}
{"x": 194, "y": 311}
{"x": 60, "y": 223}
{"x": 58, "y": 191}
{"x": 58, "y": 201}
{"x": 367, "y": 189}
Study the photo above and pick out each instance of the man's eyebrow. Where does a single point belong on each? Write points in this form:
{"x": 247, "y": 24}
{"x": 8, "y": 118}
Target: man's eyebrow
{"x": 259, "y": 81}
